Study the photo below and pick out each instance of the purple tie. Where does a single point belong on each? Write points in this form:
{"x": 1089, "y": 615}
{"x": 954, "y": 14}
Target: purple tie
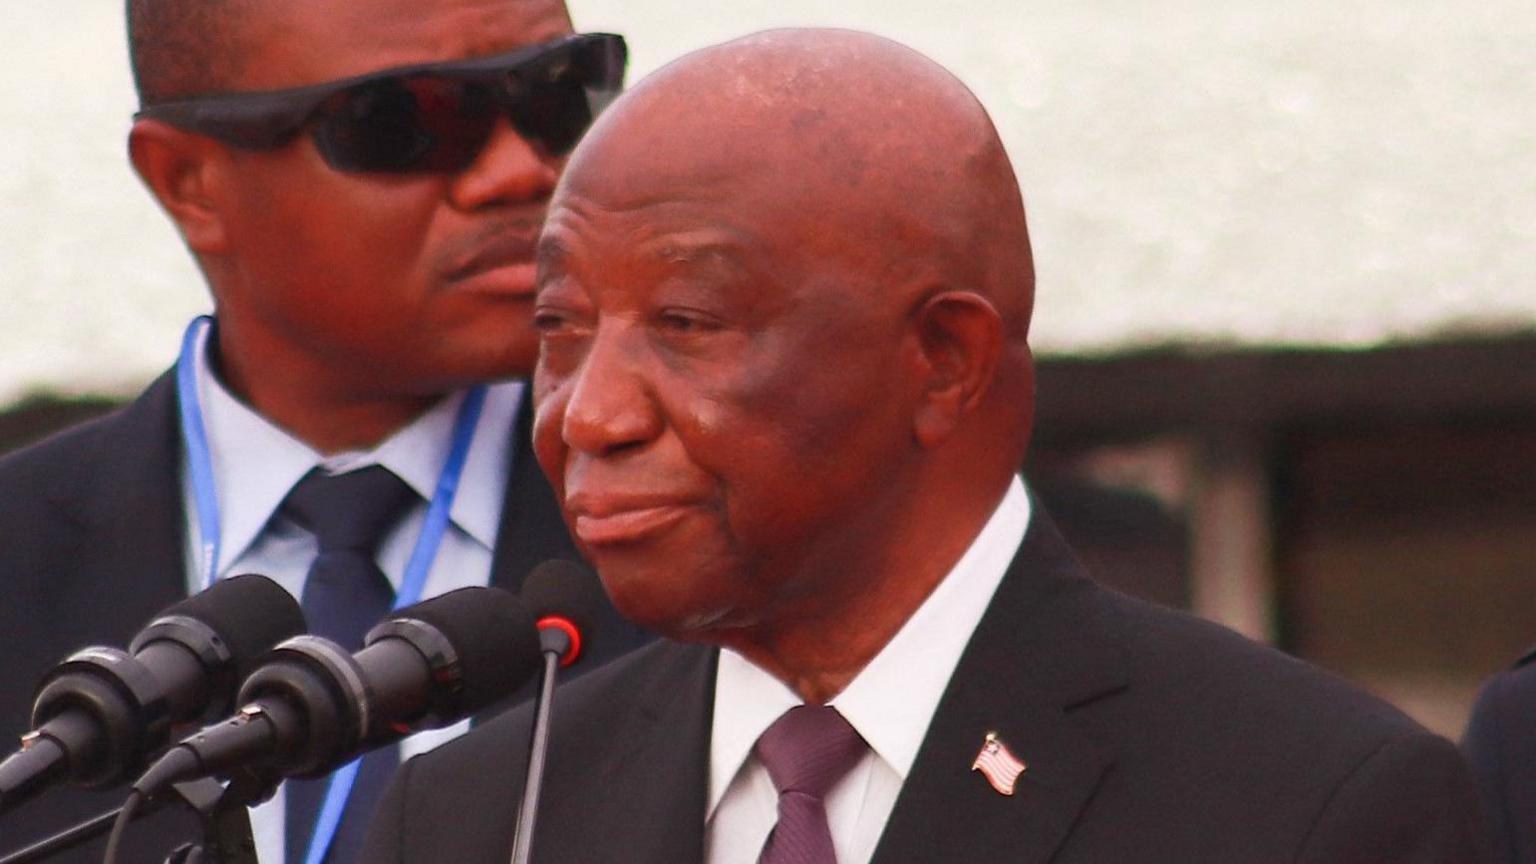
{"x": 806, "y": 751}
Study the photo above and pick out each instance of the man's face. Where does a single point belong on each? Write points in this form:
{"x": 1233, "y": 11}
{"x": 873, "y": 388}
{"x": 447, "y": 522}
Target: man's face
{"x": 721, "y": 401}
{"x": 386, "y": 284}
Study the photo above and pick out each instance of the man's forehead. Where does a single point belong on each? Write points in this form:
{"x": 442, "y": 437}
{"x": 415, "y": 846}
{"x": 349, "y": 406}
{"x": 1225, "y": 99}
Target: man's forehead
{"x": 297, "y": 42}
{"x": 675, "y": 235}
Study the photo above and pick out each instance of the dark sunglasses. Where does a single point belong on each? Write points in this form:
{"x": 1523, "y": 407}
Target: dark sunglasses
{"x": 434, "y": 117}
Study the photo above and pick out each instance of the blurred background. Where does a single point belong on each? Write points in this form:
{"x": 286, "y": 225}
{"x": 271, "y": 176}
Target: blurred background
{"x": 1287, "y": 291}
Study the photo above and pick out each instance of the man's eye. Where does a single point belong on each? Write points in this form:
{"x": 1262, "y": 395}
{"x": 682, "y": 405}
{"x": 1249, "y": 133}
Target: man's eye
{"x": 687, "y": 322}
{"x": 546, "y": 321}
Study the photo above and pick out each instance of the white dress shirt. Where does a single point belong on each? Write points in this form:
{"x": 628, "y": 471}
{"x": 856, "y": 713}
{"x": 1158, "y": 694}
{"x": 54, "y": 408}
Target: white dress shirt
{"x": 255, "y": 464}
{"x": 889, "y": 703}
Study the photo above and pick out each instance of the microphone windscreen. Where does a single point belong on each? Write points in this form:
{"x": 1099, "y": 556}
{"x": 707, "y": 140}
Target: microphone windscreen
{"x": 251, "y": 613}
{"x": 493, "y": 635}
{"x": 567, "y": 589}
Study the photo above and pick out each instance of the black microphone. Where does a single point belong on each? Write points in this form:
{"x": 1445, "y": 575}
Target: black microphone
{"x": 565, "y": 599}
{"x": 312, "y": 707}
{"x": 101, "y": 714}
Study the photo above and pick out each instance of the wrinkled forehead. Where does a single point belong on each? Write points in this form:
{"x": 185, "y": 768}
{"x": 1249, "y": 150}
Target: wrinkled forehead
{"x": 662, "y": 233}
{"x": 754, "y": 166}
{"x": 709, "y": 255}
{"x": 296, "y": 42}
{"x": 705, "y": 216}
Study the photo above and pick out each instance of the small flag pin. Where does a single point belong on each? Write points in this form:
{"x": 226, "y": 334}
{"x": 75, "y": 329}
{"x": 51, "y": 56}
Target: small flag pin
{"x": 998, "y": 764}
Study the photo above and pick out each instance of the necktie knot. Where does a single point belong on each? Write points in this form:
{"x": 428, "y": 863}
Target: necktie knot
{"x": 345, "y": 593}
{"x": 808, "y": 749}
{"x": 351, "y": 511}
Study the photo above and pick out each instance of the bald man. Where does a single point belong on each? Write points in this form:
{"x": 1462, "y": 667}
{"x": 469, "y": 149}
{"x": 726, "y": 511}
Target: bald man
{"x": 783, "y": 388}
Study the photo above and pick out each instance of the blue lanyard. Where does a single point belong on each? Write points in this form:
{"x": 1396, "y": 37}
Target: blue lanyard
{"x": 195, "y": 437}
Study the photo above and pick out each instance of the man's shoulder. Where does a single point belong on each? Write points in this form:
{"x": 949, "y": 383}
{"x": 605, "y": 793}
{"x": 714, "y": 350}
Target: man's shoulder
{"x": 1501, "y": 747}
{"x": 65, "y": 453}
{"x": 586, "y": 706}
{"x": 1246, "y": 735}
{"x": 113, "y": 471}
{"x": 42, "y": 461}
{"x": 1503, "y": 706}
{"x": 1198, "y": 668}
{"x": 1515, "y": 684}
{"x": 1166, "y": 669}
{"x": 41, "y": 483}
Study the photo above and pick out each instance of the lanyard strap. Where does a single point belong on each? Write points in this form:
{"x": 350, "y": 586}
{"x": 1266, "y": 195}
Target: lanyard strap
{"x": 436, "y": 524}
{"x": 195, "y": 437}
{"x": 340, "y": 786}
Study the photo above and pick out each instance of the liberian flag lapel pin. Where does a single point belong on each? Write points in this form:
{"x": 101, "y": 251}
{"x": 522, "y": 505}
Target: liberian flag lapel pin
{"x": 998, "y": 764}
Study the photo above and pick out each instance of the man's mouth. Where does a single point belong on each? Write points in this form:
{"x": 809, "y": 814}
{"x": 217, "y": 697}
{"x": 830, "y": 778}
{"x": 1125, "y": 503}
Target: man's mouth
{"x": 609, "y": 523}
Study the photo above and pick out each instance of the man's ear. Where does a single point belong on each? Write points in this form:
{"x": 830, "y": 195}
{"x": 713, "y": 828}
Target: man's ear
{"x": 181, "y": 169}
{"x": 961, "y": 337}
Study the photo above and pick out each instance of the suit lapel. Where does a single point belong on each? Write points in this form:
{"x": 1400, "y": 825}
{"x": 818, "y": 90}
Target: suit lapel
{"x": 1043, "y": 648}
{"x": 122, "y": 503}
{"x": 642, "y": 782}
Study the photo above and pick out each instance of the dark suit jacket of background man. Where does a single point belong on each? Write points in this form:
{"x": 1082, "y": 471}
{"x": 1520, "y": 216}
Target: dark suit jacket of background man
{"x": 1501, "y": 742}
{"x": 92, "y": 545}
{"x": 1150, "y": 736}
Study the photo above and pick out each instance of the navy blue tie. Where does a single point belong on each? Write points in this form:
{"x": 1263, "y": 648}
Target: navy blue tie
{"x": 345, "y": 595}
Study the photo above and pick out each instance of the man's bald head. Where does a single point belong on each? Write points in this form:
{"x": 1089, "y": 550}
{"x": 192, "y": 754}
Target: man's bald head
{"x": 783, "y": 380}
{"x": 866, "y": 134}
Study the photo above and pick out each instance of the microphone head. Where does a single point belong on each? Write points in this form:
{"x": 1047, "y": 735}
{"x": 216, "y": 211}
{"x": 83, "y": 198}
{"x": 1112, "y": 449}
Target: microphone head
{"x": 568, "y": 592}
{"x": 249, "y": 613}
{"x": 492, "y": 635}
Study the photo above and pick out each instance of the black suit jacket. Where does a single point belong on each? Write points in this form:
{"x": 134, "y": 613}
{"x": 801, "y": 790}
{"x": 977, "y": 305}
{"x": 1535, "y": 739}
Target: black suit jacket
{"x": 92, "y": 547}
{"x": 1149, "y": 736}
{"x": 1501, "y": 744}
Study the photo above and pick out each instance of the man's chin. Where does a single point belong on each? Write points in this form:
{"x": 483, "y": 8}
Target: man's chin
{"x": 677, "y": 617}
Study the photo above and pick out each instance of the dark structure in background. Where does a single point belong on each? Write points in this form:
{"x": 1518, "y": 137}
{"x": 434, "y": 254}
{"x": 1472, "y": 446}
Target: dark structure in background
{"x": 1372, "y": 511}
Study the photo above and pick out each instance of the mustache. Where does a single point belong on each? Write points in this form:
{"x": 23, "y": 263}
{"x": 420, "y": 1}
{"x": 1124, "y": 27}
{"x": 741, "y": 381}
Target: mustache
{"x": 490, "y": 245}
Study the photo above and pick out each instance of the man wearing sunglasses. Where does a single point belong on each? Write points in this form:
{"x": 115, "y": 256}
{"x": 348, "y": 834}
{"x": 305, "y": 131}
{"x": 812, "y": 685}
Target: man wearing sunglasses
{"x": 361, "y": 183}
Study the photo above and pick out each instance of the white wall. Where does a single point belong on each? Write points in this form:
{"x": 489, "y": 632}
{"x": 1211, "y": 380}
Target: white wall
{"x": 1196, "y": 170}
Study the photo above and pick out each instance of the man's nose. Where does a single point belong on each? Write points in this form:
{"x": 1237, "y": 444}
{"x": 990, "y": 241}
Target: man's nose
{"x": 610, "y": 407}
{"x": 509, "y": 170}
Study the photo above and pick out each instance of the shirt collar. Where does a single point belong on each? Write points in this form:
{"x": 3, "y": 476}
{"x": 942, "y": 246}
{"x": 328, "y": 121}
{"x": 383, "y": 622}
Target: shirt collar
{"x": 418, "y": 452}
{"x": 255, "y": 463}
{"x": 892, "y": 699}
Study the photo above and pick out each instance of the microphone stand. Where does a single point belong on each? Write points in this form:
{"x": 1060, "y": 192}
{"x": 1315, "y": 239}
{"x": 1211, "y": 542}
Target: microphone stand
{"x": 71, "y": 837}
{"x": 556, "y": 643}
{"x": 221, "y": 809}
{"x": 225, "y": 818}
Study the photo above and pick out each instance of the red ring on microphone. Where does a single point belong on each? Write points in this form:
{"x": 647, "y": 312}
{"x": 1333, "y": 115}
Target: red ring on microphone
{"x": 564, "y": 624}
